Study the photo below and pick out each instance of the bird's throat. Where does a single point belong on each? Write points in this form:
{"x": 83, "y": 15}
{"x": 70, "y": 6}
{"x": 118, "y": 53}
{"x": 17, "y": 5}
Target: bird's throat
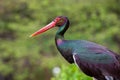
{"x": 60, "y": 33}
{"x": 59, "y": 41}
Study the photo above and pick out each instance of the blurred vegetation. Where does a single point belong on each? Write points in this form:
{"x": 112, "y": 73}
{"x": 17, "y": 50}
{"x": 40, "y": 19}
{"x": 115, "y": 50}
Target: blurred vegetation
{"x": 71, "y": 72}
{"x": 24, "y": 58}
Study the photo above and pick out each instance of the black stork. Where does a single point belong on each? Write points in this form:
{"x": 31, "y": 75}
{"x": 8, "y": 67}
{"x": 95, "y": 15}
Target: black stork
{"x": 93, "y": 59}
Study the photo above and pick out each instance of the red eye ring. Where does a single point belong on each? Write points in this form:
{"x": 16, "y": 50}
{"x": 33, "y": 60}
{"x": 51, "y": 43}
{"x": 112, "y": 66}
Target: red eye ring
{"x": 57, "y": 19}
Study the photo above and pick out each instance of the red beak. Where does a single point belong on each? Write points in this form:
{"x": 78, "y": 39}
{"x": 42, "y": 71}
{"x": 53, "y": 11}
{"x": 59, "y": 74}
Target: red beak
{"x": 47, "y": 27}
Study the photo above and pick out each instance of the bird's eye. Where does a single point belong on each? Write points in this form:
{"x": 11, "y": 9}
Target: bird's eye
{"x": 61, "y": 22}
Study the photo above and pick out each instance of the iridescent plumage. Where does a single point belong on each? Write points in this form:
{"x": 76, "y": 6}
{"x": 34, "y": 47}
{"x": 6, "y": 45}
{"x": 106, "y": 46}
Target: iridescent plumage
{"x": 94, "y": 60}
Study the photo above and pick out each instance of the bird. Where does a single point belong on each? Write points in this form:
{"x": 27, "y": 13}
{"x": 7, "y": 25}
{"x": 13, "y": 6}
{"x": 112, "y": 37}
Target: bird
{"x": 93, "y": 59}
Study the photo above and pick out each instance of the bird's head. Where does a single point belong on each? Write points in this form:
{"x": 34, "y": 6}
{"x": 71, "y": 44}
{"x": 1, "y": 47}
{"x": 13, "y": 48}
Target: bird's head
{"x": 58, "y": 21}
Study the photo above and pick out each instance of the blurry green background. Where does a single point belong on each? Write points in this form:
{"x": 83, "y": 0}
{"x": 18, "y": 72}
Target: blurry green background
{"x": 24, "y": 58}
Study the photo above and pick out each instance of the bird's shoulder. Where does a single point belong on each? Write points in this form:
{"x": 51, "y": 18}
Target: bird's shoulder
{"x": 92, "y": 52}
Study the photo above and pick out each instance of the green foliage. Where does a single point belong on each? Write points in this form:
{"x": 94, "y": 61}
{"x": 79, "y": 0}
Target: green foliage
{"x": 71, "y": 72}
{"x": 33, "y": 58}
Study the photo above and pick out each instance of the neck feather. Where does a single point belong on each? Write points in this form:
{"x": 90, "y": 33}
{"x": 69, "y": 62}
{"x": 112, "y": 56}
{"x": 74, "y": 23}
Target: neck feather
{"x": 62, "y": 29}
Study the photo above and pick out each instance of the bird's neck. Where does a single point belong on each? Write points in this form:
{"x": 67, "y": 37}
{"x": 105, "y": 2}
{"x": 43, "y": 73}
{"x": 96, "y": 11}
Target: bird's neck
{"x": 62, "y": 29}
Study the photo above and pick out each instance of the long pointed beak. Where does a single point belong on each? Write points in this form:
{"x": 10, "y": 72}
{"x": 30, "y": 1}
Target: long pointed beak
{"x": 47, "y": 27}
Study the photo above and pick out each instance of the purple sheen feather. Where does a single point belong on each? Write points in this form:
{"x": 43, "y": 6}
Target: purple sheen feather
{"x": 98, "y": 70}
